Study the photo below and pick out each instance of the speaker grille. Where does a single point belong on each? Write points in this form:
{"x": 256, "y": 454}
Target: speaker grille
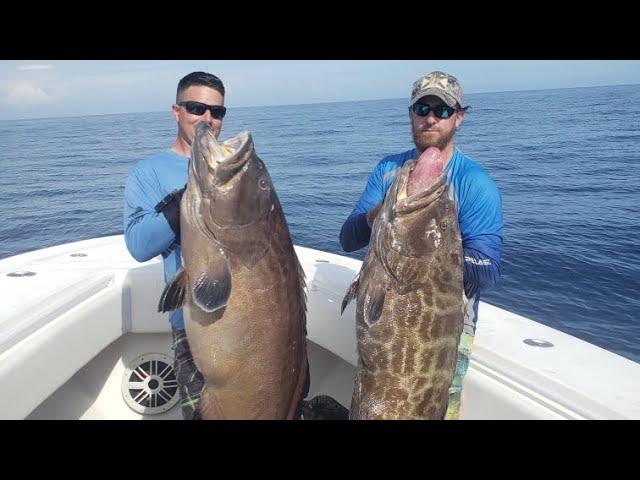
{"x": 149, "y": 384}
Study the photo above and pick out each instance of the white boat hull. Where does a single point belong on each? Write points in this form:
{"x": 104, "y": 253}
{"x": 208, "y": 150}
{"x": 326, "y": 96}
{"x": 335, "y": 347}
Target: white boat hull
{"x": 69, "y": 332}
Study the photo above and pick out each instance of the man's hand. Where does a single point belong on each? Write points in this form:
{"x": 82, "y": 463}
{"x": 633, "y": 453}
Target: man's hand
{"x": 371, "y": 214}
{"x": 169, "y": 206}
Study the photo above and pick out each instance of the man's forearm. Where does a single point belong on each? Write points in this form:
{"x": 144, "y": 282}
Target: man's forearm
{"x": 355, "y": 232}
{"x": 148, "y": 235}
{"x": 480, "y": 271}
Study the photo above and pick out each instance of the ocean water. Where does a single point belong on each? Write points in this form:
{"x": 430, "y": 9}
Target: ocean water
{"x": 567, "y": 163}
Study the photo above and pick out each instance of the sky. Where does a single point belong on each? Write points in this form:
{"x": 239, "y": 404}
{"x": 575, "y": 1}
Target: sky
{"x": 48, "y": 88}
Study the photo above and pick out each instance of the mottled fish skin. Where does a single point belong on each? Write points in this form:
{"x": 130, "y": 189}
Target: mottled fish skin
{"x": 244, "y": 298}
{"x": 409, "y": 310}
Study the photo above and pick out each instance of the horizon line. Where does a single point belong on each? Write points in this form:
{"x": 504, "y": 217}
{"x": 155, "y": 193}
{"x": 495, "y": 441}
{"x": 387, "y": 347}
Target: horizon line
{"x": 317, "y": 103}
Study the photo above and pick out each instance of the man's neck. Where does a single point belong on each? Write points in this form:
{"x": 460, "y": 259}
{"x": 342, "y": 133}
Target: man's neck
{"x": 181, "y": 147}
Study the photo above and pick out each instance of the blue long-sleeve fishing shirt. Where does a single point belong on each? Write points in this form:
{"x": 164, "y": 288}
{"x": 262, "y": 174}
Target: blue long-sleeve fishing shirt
{"x": 479, "y": 216}
{"x": 147, "y": 232}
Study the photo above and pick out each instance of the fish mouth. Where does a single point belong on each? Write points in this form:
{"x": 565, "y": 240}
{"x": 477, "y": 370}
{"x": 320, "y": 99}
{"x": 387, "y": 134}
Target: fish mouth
{"x": 222, "y": 159}
{"x": 406, "y": 203}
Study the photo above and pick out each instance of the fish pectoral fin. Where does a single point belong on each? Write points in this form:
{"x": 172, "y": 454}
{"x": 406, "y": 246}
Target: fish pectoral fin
{"x": 212, "y": 288}
{"x": 173, "y": 295}
{"x": 352, "y": 291}
{"x": 374, "y": 303}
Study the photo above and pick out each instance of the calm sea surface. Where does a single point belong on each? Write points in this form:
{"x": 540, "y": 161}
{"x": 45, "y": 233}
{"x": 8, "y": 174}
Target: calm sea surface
{"x": 567, "y": 163}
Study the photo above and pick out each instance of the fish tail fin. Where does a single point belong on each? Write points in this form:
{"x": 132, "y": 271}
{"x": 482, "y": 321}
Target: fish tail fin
{"x": 173, "y": 294}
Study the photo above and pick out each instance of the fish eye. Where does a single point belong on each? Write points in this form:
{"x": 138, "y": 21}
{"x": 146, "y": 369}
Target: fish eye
{"x": 262, "y": 183}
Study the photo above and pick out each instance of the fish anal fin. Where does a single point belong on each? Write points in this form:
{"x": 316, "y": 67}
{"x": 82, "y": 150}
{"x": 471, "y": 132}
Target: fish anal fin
{"x": 173, "y": 294}
{"x": 210, "y": 407}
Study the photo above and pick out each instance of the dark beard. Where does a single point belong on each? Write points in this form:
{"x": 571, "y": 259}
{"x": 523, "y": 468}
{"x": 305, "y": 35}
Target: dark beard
{"x": 441, "y": 144}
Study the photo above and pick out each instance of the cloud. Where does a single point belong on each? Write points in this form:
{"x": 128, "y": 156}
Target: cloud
{"x": 35, "y": 67}
{"x": 24, "y": 93}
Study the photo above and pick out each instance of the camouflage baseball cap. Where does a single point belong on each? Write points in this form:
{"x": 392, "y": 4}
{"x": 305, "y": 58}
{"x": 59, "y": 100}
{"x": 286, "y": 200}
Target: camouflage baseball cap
{"x": 442, "y": 85}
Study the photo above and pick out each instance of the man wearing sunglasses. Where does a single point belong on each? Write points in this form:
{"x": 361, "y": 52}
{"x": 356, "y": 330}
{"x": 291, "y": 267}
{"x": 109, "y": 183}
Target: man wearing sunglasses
{"x": 152, "y": 210}
{"x": 436, "y": 113}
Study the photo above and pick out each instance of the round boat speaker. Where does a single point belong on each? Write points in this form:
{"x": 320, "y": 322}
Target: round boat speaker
{"x": 149, "y": 384}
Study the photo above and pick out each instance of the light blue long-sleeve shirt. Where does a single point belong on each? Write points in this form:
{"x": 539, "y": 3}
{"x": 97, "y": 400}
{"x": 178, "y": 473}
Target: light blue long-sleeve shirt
{"x": 147, "y": 232}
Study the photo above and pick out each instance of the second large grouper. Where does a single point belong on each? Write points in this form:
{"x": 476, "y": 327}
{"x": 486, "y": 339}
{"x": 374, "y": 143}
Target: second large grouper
{"x": 409, "y": 310}
{"x": 241, "y": 286}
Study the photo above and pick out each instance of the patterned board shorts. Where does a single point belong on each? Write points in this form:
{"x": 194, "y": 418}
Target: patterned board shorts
{"x": 191, "y": 381}
{"x": 462, "y": 364}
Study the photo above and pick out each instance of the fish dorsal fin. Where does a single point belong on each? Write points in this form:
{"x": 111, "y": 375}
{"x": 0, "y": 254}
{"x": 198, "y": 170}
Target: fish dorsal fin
{"x": 212, "y": 286}
{"x": 173, "y": 295}
{"x": 302, "y": 290}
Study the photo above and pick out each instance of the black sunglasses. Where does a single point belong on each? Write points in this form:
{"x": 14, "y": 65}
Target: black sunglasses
{"x": 440, "y": 111}
{"x": 197, "y": 108}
